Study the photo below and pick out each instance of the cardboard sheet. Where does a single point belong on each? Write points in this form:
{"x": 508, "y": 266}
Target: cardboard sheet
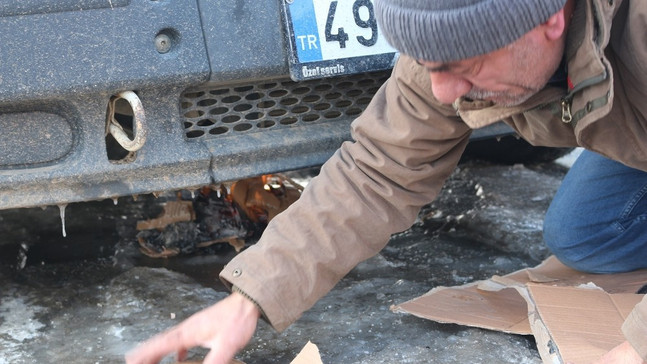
{"x": 582, "y": 323}
{"x": 308, "y": 355}
{"x": 575, "y": 317}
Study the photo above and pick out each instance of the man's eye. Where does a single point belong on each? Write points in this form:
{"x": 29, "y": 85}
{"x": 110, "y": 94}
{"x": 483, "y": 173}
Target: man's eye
{"x": 476, "y": 68}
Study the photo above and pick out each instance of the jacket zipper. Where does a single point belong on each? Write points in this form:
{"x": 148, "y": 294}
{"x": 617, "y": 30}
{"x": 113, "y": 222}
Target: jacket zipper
{"x": 567, "y": 101}
{"x": 567, "y": 117}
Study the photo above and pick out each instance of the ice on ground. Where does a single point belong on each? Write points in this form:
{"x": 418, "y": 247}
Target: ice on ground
{"x": 19, "y": 322}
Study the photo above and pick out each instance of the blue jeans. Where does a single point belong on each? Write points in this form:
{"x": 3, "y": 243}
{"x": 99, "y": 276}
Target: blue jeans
{"x": 597, "y": 221}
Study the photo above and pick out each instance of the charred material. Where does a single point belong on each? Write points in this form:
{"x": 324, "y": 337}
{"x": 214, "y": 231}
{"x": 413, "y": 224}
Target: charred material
{"x": 217, "y": 218}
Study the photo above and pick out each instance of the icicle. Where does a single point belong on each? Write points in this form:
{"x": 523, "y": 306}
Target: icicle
{"x": 218, "y": 193}
{"x": 62, "y": 211}
{"x": 115, "y": 200}
{"x": 192, "y": 194}
{"x": 22, "y": 255}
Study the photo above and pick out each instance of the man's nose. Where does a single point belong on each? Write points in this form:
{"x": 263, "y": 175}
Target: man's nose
{"x": 447, "y": 87}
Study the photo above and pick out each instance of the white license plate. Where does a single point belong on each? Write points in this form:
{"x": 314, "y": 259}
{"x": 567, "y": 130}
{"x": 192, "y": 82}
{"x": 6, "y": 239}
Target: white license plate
{"x": 334, "y": 37}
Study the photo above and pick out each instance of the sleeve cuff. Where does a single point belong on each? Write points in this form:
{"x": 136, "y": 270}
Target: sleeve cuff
{"x": 235, "y": 288}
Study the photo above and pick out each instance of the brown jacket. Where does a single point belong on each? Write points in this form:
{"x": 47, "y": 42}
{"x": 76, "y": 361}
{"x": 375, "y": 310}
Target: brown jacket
{"x": 406, "y": 144}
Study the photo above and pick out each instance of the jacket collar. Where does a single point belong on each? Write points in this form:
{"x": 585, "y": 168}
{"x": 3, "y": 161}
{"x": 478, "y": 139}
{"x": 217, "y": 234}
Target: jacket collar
{"x": 587, "y": 37}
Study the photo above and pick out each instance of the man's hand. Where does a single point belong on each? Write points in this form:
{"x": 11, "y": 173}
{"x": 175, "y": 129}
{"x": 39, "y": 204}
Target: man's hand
{"x": 225, "y": 328}
{"x": 621, "y": 354}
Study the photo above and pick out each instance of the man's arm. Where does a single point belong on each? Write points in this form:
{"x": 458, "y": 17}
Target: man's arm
{"x": 404, "y": 149}
{"x": 405, "y": 146}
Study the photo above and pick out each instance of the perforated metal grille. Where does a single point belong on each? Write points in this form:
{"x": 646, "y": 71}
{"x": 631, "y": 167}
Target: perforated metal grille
{"x": 211, "y": 112}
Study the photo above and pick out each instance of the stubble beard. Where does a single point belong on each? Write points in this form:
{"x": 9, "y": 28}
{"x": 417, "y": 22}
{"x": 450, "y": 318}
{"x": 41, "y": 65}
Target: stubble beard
{"x": 503, "y": 98}
{"x": 527, "y": 59}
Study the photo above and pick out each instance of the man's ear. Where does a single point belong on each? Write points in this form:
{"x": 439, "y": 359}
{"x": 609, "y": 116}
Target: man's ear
{"x": 555, "y": 26}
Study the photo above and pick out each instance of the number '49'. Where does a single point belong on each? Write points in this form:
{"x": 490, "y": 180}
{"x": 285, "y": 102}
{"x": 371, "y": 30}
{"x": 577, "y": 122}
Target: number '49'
{"x": 341, "y": 36}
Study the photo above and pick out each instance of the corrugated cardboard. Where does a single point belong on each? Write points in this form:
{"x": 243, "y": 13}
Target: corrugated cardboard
{"x": 574, "y": 316}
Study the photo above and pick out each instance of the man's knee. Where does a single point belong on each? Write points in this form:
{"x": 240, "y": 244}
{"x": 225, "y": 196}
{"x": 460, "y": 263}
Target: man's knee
{"x": 566, "y": 245}
{"x": 599, "y": 250}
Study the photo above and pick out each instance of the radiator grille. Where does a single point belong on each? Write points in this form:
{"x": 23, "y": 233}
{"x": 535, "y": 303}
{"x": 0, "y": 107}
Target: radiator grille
{"x": 211, "y": 112}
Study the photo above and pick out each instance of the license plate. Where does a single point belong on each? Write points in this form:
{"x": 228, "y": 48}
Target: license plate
{"x": 334, "y": 37}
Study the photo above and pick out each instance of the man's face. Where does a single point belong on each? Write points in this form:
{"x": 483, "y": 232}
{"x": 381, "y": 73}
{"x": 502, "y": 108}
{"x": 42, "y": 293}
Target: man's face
{"x": 507, "y": 77}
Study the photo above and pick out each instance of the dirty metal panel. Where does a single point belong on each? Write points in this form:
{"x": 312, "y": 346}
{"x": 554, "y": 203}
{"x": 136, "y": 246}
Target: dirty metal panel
{"x": 244, "y": 39}
{"x": 60, "y": 47}
{"x": 31, "y": 7}
{"x": 25, "y": 142}
{"x": 165, "y": 162}
{"x": 252, "y": 154}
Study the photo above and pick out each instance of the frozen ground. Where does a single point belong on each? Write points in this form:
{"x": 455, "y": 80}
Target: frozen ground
{"x": 91, "y": 296}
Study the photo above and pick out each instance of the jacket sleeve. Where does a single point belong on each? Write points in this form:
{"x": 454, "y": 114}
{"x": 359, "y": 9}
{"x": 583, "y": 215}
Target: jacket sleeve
{"x": 404, "y": 147}
{"x": 635, "y": 328}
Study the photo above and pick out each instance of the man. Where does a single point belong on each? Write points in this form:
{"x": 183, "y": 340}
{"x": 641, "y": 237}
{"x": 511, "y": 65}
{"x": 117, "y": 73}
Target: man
{"x": 560, "y": 72}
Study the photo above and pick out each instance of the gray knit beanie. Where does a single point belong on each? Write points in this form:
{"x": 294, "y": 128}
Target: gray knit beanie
{"x": 451, "y": 30}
